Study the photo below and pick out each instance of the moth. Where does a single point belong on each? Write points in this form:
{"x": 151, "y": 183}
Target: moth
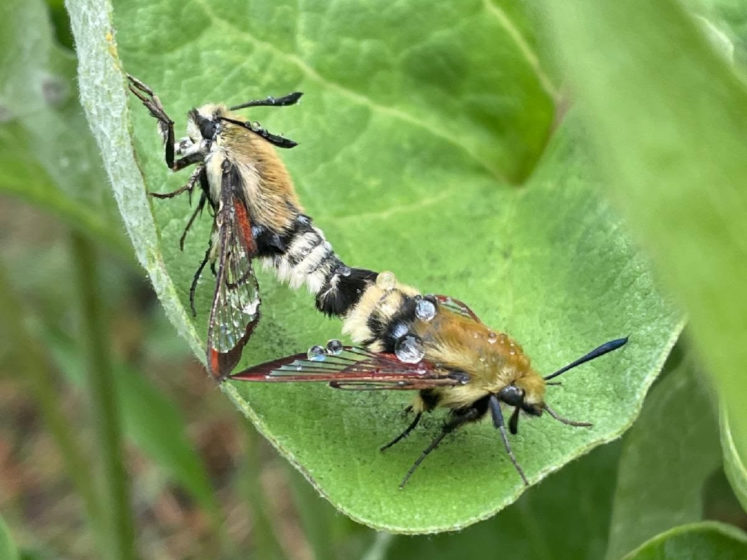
{"x": 251, "y": 197}
{"x": 435, "y": 345}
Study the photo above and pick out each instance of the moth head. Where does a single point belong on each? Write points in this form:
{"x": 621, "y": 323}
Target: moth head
{"x": 204, "y": 123}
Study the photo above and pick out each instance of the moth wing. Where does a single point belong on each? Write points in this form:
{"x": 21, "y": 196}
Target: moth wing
{"x": 354, "y": 368}
{"x": 235, "y": 309}
{"x": 457, "y": 306}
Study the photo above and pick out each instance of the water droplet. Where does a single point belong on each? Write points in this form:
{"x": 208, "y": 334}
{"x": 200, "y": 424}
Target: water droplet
{"x": 399, "y": 330}
{"x": 492, "y": 337}
{"x": 425, "y": 309}
{"x": 316, "y": 353}
{"x": 386, "y": 280}
{"x": 334, "y": 347}
{"x": 409, "y": 349}
{"x": 502, "y": 339}
{"x": 343, "y": 270}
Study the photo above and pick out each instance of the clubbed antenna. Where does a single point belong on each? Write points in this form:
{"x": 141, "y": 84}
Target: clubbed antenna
{"x": 600, "y": 351}
{"x": 289, "y": 99}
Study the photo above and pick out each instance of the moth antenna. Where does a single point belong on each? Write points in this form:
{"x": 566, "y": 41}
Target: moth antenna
{"x": 289, "y": 99}
{"x": 600, "y": 351}
{"x": 559, "y": 418}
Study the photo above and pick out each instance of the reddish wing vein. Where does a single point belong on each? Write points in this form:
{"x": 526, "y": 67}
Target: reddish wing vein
{"x": 457, "y": 306}
{"x": 354, "y": 368}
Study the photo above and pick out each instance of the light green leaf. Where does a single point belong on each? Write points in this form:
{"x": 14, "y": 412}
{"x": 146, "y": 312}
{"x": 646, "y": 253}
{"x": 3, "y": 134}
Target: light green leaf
{"x": 735, "y": 462}
{"x": 668, "y": 114}
{"x": 567, "y": 516}
{"x": 47, "y": 154}
{"x": 667, "y": 458}
{"x": 416, "y": 120}
{"x": 697, "y": 541}
{"x": 8, "y": 550}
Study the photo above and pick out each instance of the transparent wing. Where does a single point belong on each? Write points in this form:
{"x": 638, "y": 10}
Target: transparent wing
{"x": 235, "y": 310}
{"x": 354, "y": 368}
{"x": 457, "y": 306}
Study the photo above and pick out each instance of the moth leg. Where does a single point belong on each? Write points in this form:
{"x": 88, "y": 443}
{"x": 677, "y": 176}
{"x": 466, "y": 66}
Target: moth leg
{"x": 404, "y": 434}
{"x": 495, "y": 411}
{"x": 198, "y": 210}
{"x": 165, "y": 124}
{"x": 459, "y": 417}
{"x": 187, "y": 187}
{"x": 197, "y": 275}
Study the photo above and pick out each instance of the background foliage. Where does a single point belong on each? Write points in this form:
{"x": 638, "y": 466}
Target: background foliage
{"x": 434, "y": 142}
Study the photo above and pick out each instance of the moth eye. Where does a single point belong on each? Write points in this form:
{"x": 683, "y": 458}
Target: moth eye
{"x": 511, "y": 395}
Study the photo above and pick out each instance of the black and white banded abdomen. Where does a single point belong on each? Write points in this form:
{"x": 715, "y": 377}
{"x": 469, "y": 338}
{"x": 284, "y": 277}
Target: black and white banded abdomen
{"x": 302, "y": 256}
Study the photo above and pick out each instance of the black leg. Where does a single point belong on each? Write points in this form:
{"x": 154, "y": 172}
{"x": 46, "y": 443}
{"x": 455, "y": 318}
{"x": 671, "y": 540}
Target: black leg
{"x": 404, "y": 434}
{"x": 468, "y": 415}
{"x": 513, "y": 422}
{"x": 153, "y": 104}
{"x": 198, "y": 210}
{"x": 196, "y": 277}
{"x": 555, "y": 415}
{"x": 186, "y": 188}
{"x": 495, "y": 410}
{"x": 289, "y": 99}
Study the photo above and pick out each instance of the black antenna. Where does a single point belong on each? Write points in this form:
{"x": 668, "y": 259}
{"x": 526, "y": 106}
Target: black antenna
{"x": 601, "y": 351}
{"x": 289, "y": 99}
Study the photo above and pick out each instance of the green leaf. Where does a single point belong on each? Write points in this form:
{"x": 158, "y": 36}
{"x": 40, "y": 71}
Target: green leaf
{"x": 47, "y": 155}
{"x": 416, "y": 121}
{"x": 567, "y": 516}
{"x": 697, "y": 541}
{"x": 735, "y": 462}
{"x": 655, "y": 490}
{"x": 8, "y": 549}
{"x": 668, "y": 114}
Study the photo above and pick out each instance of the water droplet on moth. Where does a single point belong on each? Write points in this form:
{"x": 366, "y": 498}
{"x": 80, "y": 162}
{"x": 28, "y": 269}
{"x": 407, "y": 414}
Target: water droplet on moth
{"x": 386, "y": 280}
{"x": 409, "y": 349}
{"x": 316, "y": 353}
{"x": 334, "y": 347}
{"x": 425, "y": 309}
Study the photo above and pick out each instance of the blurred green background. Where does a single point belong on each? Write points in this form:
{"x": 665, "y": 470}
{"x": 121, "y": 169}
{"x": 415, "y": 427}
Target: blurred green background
{"x": 115, "y": 444}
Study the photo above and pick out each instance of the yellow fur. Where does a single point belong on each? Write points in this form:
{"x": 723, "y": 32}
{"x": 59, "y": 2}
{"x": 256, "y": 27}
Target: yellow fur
{"x": 268, "y": 186}
{"x": 492, "y": 360}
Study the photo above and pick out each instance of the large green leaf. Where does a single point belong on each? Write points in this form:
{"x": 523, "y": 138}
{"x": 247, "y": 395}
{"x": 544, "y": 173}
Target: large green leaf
{"x": 697, "y": 541}
{"x": 567, "y": 516}
{"x": 655, "y": 491}
{"x": 417, "y": 120}
{"x": 668, "y": 113}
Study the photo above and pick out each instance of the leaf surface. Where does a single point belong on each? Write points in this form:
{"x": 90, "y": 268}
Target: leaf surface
{"x": 695, "y": 542}
{"x": 667, "y": 112}
{"x": 667, "y": 457}
{"x": 423, "y": 149}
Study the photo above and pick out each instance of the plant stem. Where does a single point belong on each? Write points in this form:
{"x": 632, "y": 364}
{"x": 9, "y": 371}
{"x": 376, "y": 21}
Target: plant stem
{"x": 104, "y": 408}
{"x": 33, "y": 366}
